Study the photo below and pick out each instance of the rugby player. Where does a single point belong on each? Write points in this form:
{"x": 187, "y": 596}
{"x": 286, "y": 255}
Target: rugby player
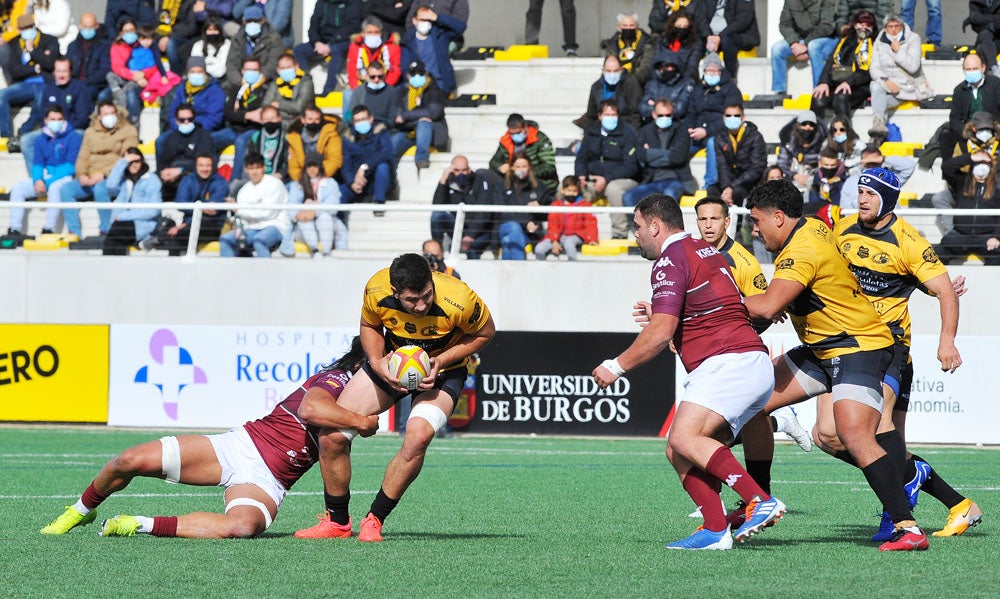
{"x": 713, "y": 220}
{"x": 846, "y": 347}
{"x": 696, "y": 304}
{"x": 405, "y": 304}
{"x": 890, "y": 259}
{"x": 256, "y": 463}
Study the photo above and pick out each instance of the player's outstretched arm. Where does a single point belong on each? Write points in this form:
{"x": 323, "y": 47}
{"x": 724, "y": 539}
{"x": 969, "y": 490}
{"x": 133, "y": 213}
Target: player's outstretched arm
{"x": 773, "y": 302}
{"x": 319, "y": 408}
{"x": 942, "y": 288}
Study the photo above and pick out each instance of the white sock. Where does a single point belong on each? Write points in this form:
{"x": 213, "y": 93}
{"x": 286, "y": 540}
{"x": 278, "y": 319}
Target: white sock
{"x": 78, "y": 506}
{"x": 145, "y": 524}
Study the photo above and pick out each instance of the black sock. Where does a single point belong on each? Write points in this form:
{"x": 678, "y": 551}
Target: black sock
{"x": 936, "y": 487}
{"x": 383, "y": 505}
{"x": 845, "y": 456}
{"x": 893, "y": 445}
{"x": 885, "y": 480}
{"x": 760, "y": 471}
{"x": 336, "y": 507}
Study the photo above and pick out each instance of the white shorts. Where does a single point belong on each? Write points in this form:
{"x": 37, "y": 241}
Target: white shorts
{"x": 242, "y": 465}
{"x": 734, "y": 386}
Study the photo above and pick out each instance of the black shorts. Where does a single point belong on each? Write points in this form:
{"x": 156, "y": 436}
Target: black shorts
{"x": 450, "y": 381}
{"x": 894, "y": 374}
{"x": 857, "y": 376}
{"x": 905, "y": 383}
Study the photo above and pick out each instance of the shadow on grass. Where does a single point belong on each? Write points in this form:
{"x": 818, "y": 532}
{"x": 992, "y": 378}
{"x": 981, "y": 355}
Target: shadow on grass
{"x": 441, "y": 536}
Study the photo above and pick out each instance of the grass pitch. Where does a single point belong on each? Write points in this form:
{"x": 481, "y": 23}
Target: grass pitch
{"x": 490, "y": 517}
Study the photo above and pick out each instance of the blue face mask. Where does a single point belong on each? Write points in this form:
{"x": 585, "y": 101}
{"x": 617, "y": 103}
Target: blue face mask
{"x": 840, "y": 138}
{"x": 88, "y": 34}
{"x": 712, "y": 80}
{"x": 609, "y": 123}
{"x": 363, "y": 127}
{"x": 733, "y": 122}
{"x": 375, "y": 85}
{"x": 56, "y": 127}
{"x": 251, "y": 77}
{"x": 518, "y": 138}
{"x": 664, "y": 122}
{"x": 130, "y": 37}
{"x": 612, "y": 78}
{"x": 196, "y": 79}
{"x": 287, "y": 74}
{"x": 185, "y": 128}
{"x": 29, "y": 34}
{"x": 418, "y": 80}
{"x": 462, "y": 180}
{"x": 252, "y": 29}
{"x": 973, "y": 77}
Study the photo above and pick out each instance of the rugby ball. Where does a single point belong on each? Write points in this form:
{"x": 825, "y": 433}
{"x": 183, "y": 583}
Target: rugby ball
{"x": 409, "y": 365}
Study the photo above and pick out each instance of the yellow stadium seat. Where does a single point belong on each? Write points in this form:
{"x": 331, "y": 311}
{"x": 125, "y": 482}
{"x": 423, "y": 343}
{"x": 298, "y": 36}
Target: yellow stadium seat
{"x": 412, "y": 151}
{"x": 906, "y": 197}
{"x": 302, "y": 248}
{"x": 691, "y": 200}
{"x": 212, "y": 247}
{"x": 908, "y": 105}
{"x": 229, "y": 150}
{"x": 148, "y": 148}
{"x": 3, "y": 144}
{"x": 751, "y": 53}
{"x": 48, "y": 242}
{"x": 605, "y": 248}
{"x": 974, "y": 258}
{"x": 331, "y": 100}
{"x": 899, "y": 148}
{"x": 521, "y": 52}
{"x": 797, "y": 103}
{"x": 925, "y": 48}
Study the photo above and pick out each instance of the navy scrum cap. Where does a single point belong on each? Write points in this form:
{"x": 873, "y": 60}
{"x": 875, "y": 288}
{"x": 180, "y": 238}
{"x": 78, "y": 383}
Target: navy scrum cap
{"x": 885, "y": 184}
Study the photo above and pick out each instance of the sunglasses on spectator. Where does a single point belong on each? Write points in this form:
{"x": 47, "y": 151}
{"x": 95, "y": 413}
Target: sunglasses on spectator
{"x": 185, "y": 119}
{"x": 376, "y": 77}
{"x": 840, "y": 129}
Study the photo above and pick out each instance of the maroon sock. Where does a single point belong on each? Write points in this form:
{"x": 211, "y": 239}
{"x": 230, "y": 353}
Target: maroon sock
{"x": 724, "y": 467}
{"x": 92, "y": 498}
{"x": 704, "y": 490}
{"x": 164, "y": 526}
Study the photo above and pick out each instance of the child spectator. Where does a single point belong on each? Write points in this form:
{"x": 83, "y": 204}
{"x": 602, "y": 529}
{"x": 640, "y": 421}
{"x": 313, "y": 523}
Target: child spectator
{"x": 146, "y": 58}
{"x": 568, "y": 231}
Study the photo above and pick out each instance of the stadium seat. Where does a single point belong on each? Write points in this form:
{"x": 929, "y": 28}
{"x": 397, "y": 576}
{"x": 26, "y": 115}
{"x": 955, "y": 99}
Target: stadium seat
{"x": 607, "y": 247}
{"x": 331, "y": 100}
{"x": 48, "y": 242}
{"x": 899, "y": 148}
{"x": 521, "y": 52}
{"x": 908, "y": 105}
{"x": 906, "y": 197}
{"x": 798, "y": 103}
{"x": 691, "y": 200}
{"x": 751, "y": 53}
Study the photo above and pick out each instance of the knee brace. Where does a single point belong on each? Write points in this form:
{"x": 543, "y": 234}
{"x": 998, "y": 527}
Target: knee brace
{"x": 171, "y": 460}
{"x": 431, "y": 413}
{"x": 251, "y": 503}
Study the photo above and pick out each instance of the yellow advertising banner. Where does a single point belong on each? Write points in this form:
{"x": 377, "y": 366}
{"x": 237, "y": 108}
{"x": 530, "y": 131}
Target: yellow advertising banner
{"x": 54, "y": 373}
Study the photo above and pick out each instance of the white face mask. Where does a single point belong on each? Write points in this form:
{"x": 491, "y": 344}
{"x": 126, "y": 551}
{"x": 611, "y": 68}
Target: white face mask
{"x": 981, "y": 171}
{"x": 109, "y": 121}
{"x": 984, "y": 135}
{"x": 424, "y": 27}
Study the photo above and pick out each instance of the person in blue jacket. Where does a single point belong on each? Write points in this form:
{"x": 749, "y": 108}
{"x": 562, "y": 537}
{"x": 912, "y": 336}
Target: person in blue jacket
{"x": 69, "y": 94}
{"x": 131, "y": 182}
{"x": 368, "y": 160}
{"x": 427, "y": 40}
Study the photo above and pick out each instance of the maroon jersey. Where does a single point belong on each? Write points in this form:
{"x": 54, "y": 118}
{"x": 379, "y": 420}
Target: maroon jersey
{"x": 285, "y": 441}
{"x": 692, "y": 281}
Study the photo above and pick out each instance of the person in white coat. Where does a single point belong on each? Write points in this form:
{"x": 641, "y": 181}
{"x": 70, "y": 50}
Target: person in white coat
{"x": 897, "y": 72}
{"x": 259, "y": 229}
{"x": 55, "y": 18}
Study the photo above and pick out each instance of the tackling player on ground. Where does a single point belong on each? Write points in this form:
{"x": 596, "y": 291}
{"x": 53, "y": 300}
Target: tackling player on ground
{"x": 890, "y": 259}
{"x": 696, "y": 305}
{"x": 405, "y": 304}
{"x": 846, "y": 348}
{"x": 256, "y": 463}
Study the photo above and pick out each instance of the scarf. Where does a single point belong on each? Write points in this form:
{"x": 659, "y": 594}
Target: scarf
{"x": 736, "y": 139}
{"x": 366, "y": 55}
{"x": 247, "y": 93}
{"x": 191, "y": 91}
{"x": 413, "y": 95}
{"x": 168, "y": 16}
{"x": 626, "y": 52}
{"x": 287, "y": 88}
{"x": 862, "y": 54}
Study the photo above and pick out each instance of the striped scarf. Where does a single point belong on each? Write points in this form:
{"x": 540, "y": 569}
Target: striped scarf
{"x": 247, "y": 92}
{"x": 287, "y": 88}
{"x": 191, "y": 91}
{"x": 168, "y": 16}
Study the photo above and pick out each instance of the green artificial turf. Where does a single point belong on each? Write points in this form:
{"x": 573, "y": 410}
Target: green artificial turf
{"x": 489, "y": 517}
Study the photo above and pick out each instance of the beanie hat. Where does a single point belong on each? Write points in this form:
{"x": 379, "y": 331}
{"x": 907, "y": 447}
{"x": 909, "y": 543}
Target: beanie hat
{"x": 885, "y": 184}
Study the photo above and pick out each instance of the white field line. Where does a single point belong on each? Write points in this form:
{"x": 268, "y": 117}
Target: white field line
{"x": 169, "y": 495}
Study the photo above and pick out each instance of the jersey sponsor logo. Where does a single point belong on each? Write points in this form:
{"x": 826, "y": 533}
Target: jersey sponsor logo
{"x": 429, "y": 331}
{"x": 930, "y": 255}
{"x": 42, "y": 362}
{"x": 174, "y": 369}
{"x": 659, "y": 284}
{"x": 660, "y": 275}
{"x": 881, "y": 258}
{"x": 477, "y": 313}
{"x": 863, "y": 252}
{"x": 663, "y": 262}
{"x": 392, "y": 321}
{"x": 410, "y": 328}
{"x": 847, "y": 247}
{"x": 785, "y": 264}
{"x": 760, "y": 282}
{"x": 706, "y": 252}
{"x": 452, "y": 302}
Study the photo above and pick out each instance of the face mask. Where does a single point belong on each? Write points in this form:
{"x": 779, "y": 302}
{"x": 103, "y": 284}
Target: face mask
{"x": 109, "y": 121}
{"x": 862, "y": 32}
{"x": 518, "y": 138}
{"x": 973, "y": 77}
{"x": 628, "y": 35}
{"x": 666, "y": 75}
{"x": 828, "y": 172}
{"x": 894, "y": 38}
{"x": 840, "y": 138}
{"x": 612, "y": 78}
{"x": 130, "y": 38}
{"x": 363, "y": 127}
{"x": 981, "y": 171}
{"x": 424, "y": 27}
{"x": 88, "y": 34}
{"x": 287, "y": 74}
{"x": 313, "y": 128}
{"x": 196, "y": 79}
{"x": 185, "y": 128}
{"x": 733, "y": 122}
{"x": 462, "y": 180}
{"x": 521, "y": 173}
{"x": 56, "y": 127}
{"x": 418, "y": 80}
{"x": 214, "y": 38}
{"x": 609, "y": 123}
{"x": 664, "y": 122}
{"x": 29, "y": 34}
{"x": 251, "y": 77}
{"x": 984, "y": 135}
{"x": 680, "y": 32}
{"x": 373, "y": 41}
{"x": 271, "y": 128}
{"x": 375, "y": 86}
{"x": 712, "y": 80}
{"x": 252, "y": 29}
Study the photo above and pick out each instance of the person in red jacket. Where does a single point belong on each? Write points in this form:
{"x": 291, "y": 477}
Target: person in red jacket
{"x": 372, "y": 46}
{"x": 567, "y": 231}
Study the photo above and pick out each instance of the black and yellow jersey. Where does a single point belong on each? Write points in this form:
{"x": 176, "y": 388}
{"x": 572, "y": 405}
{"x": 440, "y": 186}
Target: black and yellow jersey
{"x": 746, "y": 270}
{"x": 457, "y": 311}
{"x": 889, "y": 264}
{"x": 831, "y": 315}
